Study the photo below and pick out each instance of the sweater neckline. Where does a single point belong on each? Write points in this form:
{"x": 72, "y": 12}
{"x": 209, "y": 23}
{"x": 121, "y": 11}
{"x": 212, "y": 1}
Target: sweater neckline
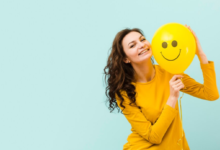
{"x": 149, "y": 82}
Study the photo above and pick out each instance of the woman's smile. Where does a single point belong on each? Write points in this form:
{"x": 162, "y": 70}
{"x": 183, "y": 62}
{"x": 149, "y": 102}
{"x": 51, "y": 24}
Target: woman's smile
{"x": 146, "y": 51}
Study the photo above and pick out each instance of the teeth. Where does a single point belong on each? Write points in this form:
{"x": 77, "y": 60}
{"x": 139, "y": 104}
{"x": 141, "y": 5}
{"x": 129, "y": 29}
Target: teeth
{"x": 144, "y": 51}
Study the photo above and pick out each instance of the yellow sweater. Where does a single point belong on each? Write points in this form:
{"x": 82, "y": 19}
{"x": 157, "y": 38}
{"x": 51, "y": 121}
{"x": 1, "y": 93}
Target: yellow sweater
{"x": 156, "y": 125}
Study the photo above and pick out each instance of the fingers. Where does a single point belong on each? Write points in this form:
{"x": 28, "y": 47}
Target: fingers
{"x": 177, "y": 81}
{"x": 176, "y": 77}
{"x": 181, "y": 86}
{"x": 189, "y": 28}
{"x": 191, "y": 31}
{"x": 178, "y": 85}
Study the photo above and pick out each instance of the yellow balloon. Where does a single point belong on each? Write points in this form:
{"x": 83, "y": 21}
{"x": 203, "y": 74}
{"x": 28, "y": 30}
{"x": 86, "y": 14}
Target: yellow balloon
{"x": 174, "y": 47}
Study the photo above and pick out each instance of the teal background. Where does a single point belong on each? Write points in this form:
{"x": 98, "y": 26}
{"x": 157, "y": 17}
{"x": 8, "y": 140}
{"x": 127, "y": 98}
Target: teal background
{"x": 52, "y": 56}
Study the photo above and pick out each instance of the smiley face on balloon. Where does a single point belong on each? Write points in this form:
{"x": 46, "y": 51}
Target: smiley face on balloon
{"x": 173, "y": 47}
{"x": 174, "y": 44}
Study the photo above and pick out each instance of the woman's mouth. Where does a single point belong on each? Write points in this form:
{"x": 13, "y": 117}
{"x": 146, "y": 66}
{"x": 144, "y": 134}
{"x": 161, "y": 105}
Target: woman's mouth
{"x": 143, "y": 52}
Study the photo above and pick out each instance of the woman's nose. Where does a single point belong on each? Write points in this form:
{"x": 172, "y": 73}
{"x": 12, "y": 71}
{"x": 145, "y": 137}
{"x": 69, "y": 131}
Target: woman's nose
{"x": 141, "y": 44}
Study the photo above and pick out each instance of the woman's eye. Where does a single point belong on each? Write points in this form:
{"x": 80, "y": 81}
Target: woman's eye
{"x": 142, "y": 39}
{"x": 132, "y": 46}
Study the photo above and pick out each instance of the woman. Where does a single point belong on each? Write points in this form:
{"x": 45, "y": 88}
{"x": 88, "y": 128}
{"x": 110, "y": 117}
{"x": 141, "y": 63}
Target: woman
{"x": 148, "y": 95}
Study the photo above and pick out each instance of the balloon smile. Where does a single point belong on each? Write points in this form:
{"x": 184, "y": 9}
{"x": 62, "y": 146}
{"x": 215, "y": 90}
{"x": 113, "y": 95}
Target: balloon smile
{"x": 171, "y": 59}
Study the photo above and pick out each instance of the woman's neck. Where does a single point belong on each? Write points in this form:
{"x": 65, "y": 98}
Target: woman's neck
{"x": 144, "y": 73}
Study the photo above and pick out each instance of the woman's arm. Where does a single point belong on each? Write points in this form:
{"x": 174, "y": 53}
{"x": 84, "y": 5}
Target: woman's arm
{"x": 136, "y": 117}
{"x": 199, "y": 52}
{"x": 202, "y": 58}
{"x": 208, "y": 90}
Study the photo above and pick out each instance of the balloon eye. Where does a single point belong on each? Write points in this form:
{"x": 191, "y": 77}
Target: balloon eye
{"x": 174, "y": 43}
{"x": 164, "y": 44}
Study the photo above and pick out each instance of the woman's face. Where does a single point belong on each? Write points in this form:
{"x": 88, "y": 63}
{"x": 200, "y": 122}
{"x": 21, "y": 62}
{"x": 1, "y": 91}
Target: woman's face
{"x": 133, "y": 43}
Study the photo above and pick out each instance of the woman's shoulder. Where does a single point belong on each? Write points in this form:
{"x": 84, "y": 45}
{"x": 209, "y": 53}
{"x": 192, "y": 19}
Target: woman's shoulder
{"x": 160, "y": 70}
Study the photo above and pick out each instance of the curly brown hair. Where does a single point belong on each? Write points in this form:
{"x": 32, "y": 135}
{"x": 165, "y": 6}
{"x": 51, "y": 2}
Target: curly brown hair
{"x": 119, "y": 75}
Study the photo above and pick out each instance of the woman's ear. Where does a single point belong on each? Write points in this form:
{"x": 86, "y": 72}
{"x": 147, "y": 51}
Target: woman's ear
{"x": 126, "y": 60}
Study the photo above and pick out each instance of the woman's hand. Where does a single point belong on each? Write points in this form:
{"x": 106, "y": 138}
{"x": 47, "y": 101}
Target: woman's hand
{"x": 199, "y": 52}
{"x": 198, "y": 45}
{"x": 175, "y": 85}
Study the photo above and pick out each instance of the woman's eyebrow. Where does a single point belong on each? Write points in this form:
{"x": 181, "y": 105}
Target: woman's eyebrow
{"x": 133, "y": 41}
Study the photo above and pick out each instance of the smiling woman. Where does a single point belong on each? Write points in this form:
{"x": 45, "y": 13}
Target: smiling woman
{"x": 147, "y": 94}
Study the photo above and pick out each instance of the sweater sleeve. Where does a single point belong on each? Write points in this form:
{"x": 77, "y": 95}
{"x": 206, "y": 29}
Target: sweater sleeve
{"x": 152, "y": 133}
{"x": 208, "y": 90}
